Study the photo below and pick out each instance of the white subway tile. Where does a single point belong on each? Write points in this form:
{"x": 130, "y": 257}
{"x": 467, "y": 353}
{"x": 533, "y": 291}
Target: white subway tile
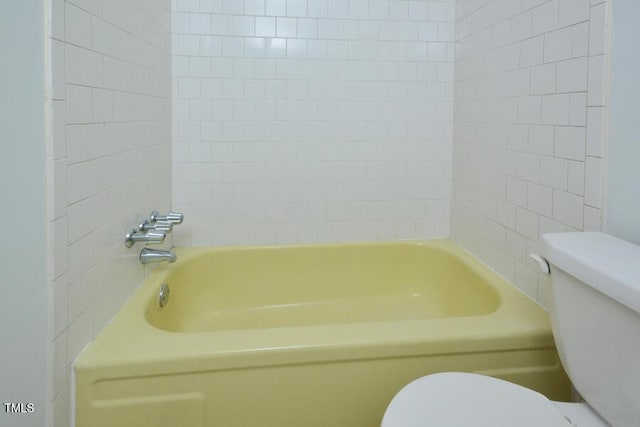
{"x": 60, "y": 363}
{"x": 554, "y": 172}
{"x": 80, "y": 181}
{"x": 593, "y": 182}
{"x": 529, "y": 109}
{"x": 59, "y": 131}
{"x": 439, "y": 11}
{"x": 58, "y": 77}
{"x": 61, "y": 405}
{"x": 307, "y": 28}
{"x": 235, "y": 7}
{"x": 556, "y": 109}
{"x": 570, "y": 142}
{"x": 595, "y": 131}
{"x": 296, "y": 8}
{"x": 558, "y": 45}
{"x": 81, "y": 257}
{"x": 59, "y": 247}
{"x": 209, "y": 6}
{"x": 77, "y": 26}
{"x": 220, "y": 25}
{"x": 347, "y": 30}
{"x": 200, "y": 67}
{"x": 572, "y": 75}
{"x": 265, "y": 26}
{"x": 286, "y": 27}
{"x": 79, "y": 101}
{"x": 57, "y": 26}
{"x": 580, "y": 40}
{"x": 576, "y": 180}
{"x": 317, "y": 8}
{"x": 254, "y": 7}
{"x": 532, "y": 51}
{"x": 103, "y": 105}
{"x": 276, "y": 7}
{"x": 84, "y": 142}
{"x": 517, "y": 137}
{"x": 528, "y": 167}
{"x": 378, "y": 9}
{"x": 527, "y": 223}
{"x": 539, "y": 199}
{"x": 187, "y": 5}
{"x": 592, "y": 219}
{"x": 187, "y": 44}
{"x": 210, "y": 46}
{"x": 79, "y": 335}
{"x": 180, "y": 23}
{"x": 102, "y": 39}
{"x": 200, "y": 109}
{"x": 568, "y": 208}
{"x": 541, "y": 139}
{"x": 596, "y": 81}
{"x": 598, "y": 29}
{"x": 572, "y": 11}
{"x": 243, "y": 25}
{"x": 516, "y": 192}
{"x": 578, "y": 113}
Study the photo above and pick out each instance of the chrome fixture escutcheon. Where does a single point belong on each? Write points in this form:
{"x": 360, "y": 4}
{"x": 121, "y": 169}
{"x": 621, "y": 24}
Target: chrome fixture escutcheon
{"x": 163, "y": 295}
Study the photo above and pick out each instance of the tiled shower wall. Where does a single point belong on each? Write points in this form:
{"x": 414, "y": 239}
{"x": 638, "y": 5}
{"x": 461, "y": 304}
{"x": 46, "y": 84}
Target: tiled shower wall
{"x": 529, "y": 118}
{"x": 302, "y": 121}
{"x": 109, "y": 162}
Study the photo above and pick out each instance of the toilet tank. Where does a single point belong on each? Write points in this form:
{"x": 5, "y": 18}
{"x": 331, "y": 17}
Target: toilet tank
{"x": 594, "y": 303}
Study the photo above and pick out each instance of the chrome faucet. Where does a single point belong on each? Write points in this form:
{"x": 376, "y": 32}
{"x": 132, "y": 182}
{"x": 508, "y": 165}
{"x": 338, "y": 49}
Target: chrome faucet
{"x": 171, "y": 217}
{"x": 151, "y": 231}
{"x": 151, "y": 237}
{"x": 159, "y": 226}
{"x": 148, "y": 256}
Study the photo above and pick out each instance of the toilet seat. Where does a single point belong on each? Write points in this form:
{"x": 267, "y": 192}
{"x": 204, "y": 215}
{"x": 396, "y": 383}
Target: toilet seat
{"x": 455, "y": 399}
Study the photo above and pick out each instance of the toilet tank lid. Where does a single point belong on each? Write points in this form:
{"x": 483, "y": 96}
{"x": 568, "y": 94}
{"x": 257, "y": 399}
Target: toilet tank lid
{"x": 604, "y": 262}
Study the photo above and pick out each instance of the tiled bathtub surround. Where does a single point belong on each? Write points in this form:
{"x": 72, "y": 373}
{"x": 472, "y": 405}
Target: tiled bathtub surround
{"x": 109, "y": 162}
{"x": 529, "y": 120}
{"x": 312, "y": 120}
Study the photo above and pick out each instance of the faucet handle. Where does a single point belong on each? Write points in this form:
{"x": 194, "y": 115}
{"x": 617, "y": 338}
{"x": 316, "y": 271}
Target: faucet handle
{"x": 151, "y": 237}
{"x": 172, "y": 217}
{"x": 160, "y": 226}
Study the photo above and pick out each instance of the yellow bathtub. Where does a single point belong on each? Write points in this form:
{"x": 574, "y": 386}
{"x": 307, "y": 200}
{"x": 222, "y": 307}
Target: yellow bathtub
{"x": 307, "y": 336}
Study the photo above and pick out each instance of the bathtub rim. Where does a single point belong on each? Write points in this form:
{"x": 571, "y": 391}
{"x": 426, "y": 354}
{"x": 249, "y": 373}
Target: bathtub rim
{"x": 129, "y": 344}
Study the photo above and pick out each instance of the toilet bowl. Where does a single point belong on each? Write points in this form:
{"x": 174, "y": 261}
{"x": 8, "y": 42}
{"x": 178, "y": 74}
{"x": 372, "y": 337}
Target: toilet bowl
{"x": 455, "y": 399}
{"x": 594, "y": 305}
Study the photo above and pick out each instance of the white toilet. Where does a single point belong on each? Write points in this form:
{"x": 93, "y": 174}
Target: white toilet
{"x": 595, "y": 314}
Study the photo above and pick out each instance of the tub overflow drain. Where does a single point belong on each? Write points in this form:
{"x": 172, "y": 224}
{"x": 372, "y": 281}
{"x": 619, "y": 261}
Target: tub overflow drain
{"x": 163, "y": 295}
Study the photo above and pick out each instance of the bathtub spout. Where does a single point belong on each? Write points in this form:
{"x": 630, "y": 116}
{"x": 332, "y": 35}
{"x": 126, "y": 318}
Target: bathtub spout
{"x": 148, "y": 256}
